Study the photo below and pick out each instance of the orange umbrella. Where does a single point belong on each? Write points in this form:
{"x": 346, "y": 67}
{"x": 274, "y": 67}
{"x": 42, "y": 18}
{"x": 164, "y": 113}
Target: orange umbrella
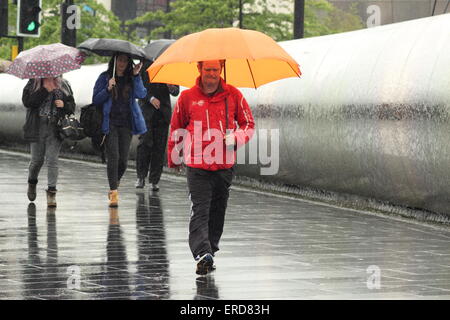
{"x": 252, "y": 58}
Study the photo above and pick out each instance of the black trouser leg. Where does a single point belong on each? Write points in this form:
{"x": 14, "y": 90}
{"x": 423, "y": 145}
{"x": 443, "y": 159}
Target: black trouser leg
{"x": 209, "y": 192}
{"x": 124, "y": 150}
{"x": 117, "y": 148}
{"x": 143, "y": 155}
{"x": 161, "y": 132}
{"x": 220, "y": 195}
{"x": 200, "y": 193}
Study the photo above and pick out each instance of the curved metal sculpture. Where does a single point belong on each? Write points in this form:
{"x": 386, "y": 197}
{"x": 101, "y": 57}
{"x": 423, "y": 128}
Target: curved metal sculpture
{"x": 370, "y": 115}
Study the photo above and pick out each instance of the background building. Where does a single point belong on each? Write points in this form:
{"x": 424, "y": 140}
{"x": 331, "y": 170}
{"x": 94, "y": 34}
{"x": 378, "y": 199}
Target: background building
{"x": 391, "y": 11}
{"x": 130, "y": 9}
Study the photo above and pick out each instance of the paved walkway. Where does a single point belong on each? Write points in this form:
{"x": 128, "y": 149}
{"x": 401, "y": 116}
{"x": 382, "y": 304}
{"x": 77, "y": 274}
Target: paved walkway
{"x": 272, "y": 248}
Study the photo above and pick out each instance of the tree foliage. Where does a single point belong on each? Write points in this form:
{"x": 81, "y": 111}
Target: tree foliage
{"x": 188, "y": 16}
{"x": 322, "y": 18}
{"x": 103, "y": 25}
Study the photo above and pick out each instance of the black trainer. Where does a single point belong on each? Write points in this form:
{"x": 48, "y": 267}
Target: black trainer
{"x": 140, "y": 183}
{"x": 205, "y": 265}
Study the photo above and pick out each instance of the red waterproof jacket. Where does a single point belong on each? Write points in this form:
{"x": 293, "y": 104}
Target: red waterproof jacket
{"x": 197, "y": 128}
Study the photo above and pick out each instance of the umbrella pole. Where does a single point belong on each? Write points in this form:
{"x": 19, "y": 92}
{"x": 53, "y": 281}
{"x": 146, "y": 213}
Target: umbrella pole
{"x": 226, "y": 102}
{"x": 114, "y": 68}
{"x": 225, "y": 71}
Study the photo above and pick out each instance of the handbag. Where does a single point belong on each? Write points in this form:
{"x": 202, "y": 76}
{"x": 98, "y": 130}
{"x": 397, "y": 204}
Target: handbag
{"x": 69, "y": 128}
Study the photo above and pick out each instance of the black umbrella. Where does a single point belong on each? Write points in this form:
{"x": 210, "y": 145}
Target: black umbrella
{"x": 107, "y": 47}
{"x": 155, "y": 48}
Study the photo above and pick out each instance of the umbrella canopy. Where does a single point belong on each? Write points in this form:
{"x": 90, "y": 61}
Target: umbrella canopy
{"x": 252, "y": 58}
{"x": 155, "y": 48}
{"x": 107, "y": 47}
{"x": 46, "y": 61}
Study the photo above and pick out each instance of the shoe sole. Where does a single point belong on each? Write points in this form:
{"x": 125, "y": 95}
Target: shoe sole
{"x": 204, "y": 269}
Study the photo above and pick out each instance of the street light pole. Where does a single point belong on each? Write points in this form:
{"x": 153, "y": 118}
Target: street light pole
{"x": 241, "y": 16}
{"x": 299, "y": 18}
{"x": 68, "y": 33}
{"x": 168, "y": 34}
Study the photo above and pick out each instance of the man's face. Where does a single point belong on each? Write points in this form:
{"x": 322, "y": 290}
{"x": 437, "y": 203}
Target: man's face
{"x": 210, "y": 74}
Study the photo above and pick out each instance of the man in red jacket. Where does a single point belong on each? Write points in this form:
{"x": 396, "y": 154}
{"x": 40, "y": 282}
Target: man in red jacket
{"x": 210, "y": 121}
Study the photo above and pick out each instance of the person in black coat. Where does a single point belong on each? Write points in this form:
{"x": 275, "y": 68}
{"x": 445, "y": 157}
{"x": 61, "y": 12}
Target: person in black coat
{"x": 47, "y": 100}
{"x": 157, "y": 111}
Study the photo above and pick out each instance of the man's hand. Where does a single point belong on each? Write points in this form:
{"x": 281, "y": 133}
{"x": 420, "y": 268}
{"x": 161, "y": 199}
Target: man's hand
{"x": 155, "y": 102}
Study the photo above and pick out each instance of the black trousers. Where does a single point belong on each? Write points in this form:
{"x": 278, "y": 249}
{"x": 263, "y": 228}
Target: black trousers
{"x": 209, "y": 192}
{"x": 117, "y": 149}
{"x": 151, "y": 150}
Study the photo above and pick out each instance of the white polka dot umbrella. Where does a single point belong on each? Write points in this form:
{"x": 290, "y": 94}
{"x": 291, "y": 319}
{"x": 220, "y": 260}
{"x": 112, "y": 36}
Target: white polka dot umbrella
{"x": 46, "y": 61}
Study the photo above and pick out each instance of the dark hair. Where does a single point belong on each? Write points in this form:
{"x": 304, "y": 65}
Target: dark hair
{"x": 128, "y": 75}
{"x": 222, "y": 63}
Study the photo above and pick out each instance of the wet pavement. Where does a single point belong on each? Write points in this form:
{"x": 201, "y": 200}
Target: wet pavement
{"x": 273, "y": 247}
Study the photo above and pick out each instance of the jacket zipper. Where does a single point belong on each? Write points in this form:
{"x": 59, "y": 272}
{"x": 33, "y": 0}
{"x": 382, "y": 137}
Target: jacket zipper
{"x": 207, "y": 123}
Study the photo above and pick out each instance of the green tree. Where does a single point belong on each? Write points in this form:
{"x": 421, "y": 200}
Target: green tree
{"x": 322, "y": 18}
{"x": 188, "y": 16}
{"x": 103, "y": 25}
{"x": 195, "y": 15}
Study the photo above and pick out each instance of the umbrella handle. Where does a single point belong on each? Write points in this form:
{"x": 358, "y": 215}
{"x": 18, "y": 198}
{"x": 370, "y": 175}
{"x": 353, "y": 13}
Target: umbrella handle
{"x": 114, "y": 68}
{"x": 226, "y": 115}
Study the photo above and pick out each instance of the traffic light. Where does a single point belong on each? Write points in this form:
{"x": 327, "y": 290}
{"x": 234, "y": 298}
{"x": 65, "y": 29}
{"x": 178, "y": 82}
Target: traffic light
{"x": 28, "y": 18}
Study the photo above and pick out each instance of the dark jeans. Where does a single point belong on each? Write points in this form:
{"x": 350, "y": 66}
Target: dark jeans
{"x": 151, "y": 150}
{"x": 209, "y": 192}
{"x": 117, "y": 149}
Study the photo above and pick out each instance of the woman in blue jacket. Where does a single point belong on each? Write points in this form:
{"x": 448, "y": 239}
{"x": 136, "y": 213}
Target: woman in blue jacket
{"x": 117, "y": 90}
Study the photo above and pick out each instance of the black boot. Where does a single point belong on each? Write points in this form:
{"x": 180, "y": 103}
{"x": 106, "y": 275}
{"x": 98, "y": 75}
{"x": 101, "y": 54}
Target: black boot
{"x": 31, "y": 193}
{"x": 140, "y": 183}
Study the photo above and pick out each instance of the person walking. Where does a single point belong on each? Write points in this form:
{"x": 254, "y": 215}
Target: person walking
{"x": 47, "y": 100}
{"x": 157, "y": 111}
{"x": 210, "y": 121}
{"x": 116, "y": 90}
